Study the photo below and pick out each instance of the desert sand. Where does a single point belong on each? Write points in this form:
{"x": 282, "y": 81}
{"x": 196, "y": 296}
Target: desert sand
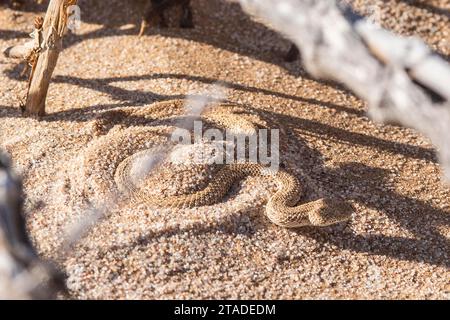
{"x": 106, "y": 93}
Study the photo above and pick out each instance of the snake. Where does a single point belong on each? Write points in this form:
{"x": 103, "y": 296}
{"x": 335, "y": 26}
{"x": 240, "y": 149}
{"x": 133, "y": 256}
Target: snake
{"x": 283, "y": 208}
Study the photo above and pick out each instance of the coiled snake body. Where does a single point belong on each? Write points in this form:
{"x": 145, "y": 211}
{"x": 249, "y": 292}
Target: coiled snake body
{"x": 282, "y": 208}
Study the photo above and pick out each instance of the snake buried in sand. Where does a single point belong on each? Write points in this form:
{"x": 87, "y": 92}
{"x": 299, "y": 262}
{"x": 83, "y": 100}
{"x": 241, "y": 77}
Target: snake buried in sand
{"x": 282, "y": 208}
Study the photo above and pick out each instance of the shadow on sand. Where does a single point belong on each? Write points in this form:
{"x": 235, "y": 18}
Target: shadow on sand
{"x": 365, "y": 185}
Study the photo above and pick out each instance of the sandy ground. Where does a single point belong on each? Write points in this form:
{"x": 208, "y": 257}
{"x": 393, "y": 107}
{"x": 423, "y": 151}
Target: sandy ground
{"x": 104, "y": 102}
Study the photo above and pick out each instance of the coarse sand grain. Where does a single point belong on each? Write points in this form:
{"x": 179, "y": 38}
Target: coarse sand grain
{"x": 106, "y": 91}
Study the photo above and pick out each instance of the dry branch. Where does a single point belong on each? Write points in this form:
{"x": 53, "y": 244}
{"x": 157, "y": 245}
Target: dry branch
{"x": 402, "y": 80}
{"x": 22, "y": 274}
{"x": 42, "y": 53}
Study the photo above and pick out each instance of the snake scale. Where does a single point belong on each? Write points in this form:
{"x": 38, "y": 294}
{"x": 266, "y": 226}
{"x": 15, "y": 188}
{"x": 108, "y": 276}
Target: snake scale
{"x": 282, "y": 208}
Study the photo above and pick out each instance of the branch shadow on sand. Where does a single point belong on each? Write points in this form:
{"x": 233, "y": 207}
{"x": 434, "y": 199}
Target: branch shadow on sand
{"x": 215, "y": 25}
{"x": 369, "y": 187}
{"x": 429, "y": 7}
{"x": 362, "y": 184}
{"x": 418, "y": 217}
{"x": 9, "y": 34}
{"x": 138, "y": 98}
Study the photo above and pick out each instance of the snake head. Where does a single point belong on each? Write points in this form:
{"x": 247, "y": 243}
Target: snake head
{"x": 330, "y": 211}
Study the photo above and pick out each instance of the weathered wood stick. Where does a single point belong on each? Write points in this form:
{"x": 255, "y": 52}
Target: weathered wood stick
{"x": 403, "y": 81}
{"x": 53, "y": 30}
{"x": 22, "y": 274}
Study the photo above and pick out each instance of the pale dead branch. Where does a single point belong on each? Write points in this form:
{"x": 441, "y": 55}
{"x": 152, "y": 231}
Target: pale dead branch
{"x": 403, "y": 81}
{"x": 23, "y": 275}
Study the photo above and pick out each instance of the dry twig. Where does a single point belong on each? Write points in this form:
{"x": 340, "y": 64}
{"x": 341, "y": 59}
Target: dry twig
{"x": 403, "y": 81}
{"x": 42, "y": 53}
{"x": 22, "y": 274}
